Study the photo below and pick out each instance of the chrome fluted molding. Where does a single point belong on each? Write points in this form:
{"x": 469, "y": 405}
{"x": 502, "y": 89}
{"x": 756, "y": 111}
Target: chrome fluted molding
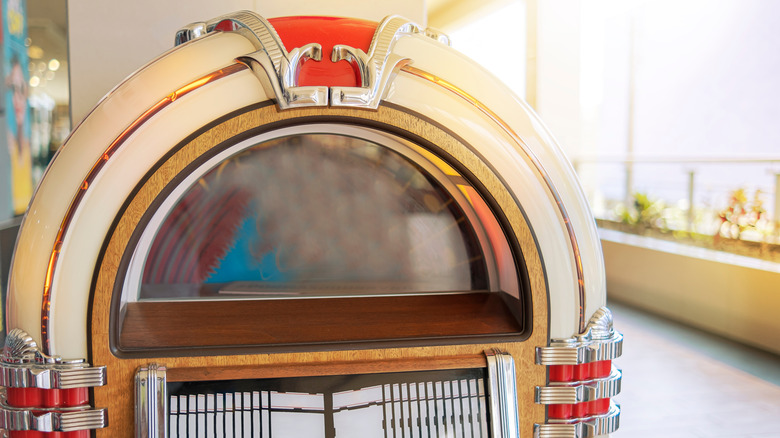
{"x": 24, "y": 366}
{"x": 503, "y": 394}
{"x": 599, "y": 341}
{"x": 151, "y": 402}
{"x": 50, "y": 420}
{"x": 581, "y": 428}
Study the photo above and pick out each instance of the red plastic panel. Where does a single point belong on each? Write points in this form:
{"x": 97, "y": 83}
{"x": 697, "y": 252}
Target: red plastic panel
{"x": 579, "y": 410}
{"x": 581, "y": 372}
{"x": 24, "y": 397}
{"x": 327, "y": 31}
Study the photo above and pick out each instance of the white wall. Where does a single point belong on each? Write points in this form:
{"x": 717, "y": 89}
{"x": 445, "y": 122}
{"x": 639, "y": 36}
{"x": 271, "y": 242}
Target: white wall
{"x": 109, "y": 40}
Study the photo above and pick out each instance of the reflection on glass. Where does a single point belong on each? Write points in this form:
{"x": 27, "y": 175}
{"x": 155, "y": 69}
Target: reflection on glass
{"x": 314, "y": 215}
{"x": 429, "y": 404}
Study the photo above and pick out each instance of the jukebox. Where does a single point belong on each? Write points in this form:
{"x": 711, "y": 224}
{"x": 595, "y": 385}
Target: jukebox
{"x": 309, "y": 227}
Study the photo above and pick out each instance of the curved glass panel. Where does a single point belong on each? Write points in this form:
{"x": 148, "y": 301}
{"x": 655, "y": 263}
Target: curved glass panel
{"x": 314, "y": 215}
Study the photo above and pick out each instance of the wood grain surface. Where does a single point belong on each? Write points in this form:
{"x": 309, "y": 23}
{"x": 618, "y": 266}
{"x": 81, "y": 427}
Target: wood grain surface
{"x": 117, "y": 395}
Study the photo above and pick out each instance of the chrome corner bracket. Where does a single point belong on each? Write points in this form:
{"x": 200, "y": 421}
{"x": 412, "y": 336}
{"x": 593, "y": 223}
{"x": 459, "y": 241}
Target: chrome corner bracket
{"x": 151, "y": 402}
{"x": 581, "y": 428}
{"x": 23, "y": 365}
{"x": 599, "y": 341}
{"x": 275, "y": 67}
{"x": 278, "y": 70}
{"x": 502, "y": 389}
{"x": 375, "y": 68}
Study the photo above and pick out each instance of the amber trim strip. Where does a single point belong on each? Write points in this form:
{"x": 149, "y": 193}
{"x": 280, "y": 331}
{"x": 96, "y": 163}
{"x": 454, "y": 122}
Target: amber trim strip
{"x": 534, "y": 160}
{"x": 93, "y": 173}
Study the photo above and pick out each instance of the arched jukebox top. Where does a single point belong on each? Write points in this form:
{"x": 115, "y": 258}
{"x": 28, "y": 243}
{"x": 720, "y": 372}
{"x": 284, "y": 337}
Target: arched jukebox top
{"x": 306, "y": 197}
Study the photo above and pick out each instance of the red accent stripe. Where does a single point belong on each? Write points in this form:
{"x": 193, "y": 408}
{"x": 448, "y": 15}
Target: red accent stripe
{"x": 47, "y": 398}
{"x": 327, "y": 31}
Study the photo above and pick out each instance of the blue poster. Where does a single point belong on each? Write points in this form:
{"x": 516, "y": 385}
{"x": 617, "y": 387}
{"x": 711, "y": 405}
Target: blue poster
{"x": 17, "y": 114}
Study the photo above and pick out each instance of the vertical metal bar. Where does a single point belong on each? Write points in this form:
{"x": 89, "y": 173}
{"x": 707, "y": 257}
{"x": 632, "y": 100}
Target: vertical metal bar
{"x": 691, "y": 193}
{"x": 502, "y": 393}
{"x": 151, "y": 395}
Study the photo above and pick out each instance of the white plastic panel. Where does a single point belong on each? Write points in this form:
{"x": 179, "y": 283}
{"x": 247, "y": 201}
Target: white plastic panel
{"x": 458, "y": 115}
{"x": 82, "y": 150}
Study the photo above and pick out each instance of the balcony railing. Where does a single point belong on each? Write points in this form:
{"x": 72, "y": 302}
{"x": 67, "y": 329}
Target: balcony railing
{"x": 728, "y": 197}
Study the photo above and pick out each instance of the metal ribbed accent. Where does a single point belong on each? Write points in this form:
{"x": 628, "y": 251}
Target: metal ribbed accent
{"x": 25, "y": 366}
{"x": 43, "y": 420}
{"x": 51, "y": 376}
{"x": 265, "y": 33}
{"x": 581, "y": 428}
{"x": 376, "y": 69}
{"x": 585, "y": 351}
{"x": 578, "y": 392}
{"x": 503, "y": 394}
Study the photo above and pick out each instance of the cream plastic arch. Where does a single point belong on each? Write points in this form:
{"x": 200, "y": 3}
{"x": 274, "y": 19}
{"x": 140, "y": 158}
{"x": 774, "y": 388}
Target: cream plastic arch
{"x": 509, "y": 136}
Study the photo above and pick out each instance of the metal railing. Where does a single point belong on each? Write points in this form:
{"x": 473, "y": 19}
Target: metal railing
{"x": 692, "y": 184}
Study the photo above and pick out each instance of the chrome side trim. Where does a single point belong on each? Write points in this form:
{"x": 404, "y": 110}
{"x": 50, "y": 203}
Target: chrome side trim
{"x": 502, "y": 389}
{"x": 151, "y": 402}
{"x": 23, "y": 365}
{"x": 598, "y": 342}
{"x": 565, "y": 393}
{"x": 581, "y": 428}
{"x": 51, "y": 420}
{"x": 276, "y": 68}
{"x": 375, "y": 68}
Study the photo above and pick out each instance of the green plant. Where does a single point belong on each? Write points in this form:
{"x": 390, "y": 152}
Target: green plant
{"x": 644, "y": 211}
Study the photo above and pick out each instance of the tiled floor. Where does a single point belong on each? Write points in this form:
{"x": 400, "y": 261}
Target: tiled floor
{"x": 682, "y": 383}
